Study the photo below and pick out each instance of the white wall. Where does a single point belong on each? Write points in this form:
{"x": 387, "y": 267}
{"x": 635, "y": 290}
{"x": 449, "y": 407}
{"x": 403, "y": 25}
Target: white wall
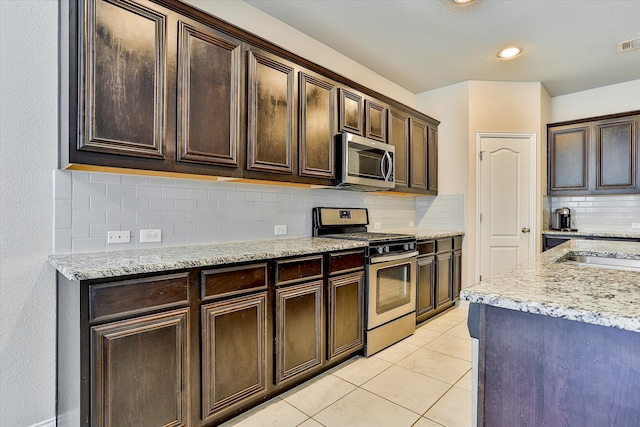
{"x": 596, "y": 102}
{"x": 28, "y": 156}
{"x": 481, "y": 106}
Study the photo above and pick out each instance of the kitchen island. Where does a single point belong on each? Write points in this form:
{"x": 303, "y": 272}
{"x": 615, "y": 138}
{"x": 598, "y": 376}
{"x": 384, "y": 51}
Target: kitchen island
{"x": 559, "y": 343}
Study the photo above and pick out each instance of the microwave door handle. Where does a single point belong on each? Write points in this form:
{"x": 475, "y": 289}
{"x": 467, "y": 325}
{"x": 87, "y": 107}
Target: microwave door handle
{"x": 382, "y": 165}
{"x": 387, "y": 174}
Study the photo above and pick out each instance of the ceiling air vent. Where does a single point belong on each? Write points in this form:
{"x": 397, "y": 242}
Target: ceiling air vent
{"x": 629, "y": 45}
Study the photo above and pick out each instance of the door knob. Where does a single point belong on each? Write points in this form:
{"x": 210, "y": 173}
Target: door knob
{"x": 526, "y": 229}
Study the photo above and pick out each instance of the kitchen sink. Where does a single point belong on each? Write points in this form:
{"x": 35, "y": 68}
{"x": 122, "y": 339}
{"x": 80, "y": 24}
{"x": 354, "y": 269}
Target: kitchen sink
{"x": 603, "y": 262}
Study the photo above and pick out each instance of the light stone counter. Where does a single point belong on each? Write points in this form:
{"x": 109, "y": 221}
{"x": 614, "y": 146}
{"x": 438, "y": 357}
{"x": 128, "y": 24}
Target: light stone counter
{"x": 426, "y": 234}
{"x": 544, "y": 285}
{"x": 96, "y": 265}
{"x": 601, "y": 234}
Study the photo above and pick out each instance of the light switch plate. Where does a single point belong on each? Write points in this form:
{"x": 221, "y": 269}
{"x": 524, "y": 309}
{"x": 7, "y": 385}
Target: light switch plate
{"x": 280, "y": 229}
{"x": 118, "y": 237}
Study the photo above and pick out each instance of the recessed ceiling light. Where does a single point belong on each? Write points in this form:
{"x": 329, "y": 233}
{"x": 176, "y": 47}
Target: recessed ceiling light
{"x": 462, "y": 1}
{"x": 509, "y": 52}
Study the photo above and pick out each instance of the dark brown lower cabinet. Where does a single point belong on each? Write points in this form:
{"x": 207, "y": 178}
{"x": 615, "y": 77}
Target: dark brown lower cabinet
{"x": 234, "y": 353}
{"x": 426, "y": 278}
{"x": 444, "y": 283}
{"x": 299, "y": 329}
{"x": 197, "y": 347}
{"x": 346, "y": 314}
{"x": 139, "y": 371}
{"x": 457, "y": 273}
{"x": 439, "y": 277}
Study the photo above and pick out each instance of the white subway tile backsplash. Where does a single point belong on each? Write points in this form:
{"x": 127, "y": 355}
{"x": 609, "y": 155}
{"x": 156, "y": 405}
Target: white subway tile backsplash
{"x": 89, "y": 217}
{"x": 62, "y": 214}
{"x": 197, "y": 212}
{"x": 86, "y": 188}
{"x": 106, "y": 178}
{"x": 172, "y": 193}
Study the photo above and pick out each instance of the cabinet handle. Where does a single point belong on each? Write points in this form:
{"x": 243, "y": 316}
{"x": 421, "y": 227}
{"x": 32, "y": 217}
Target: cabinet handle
{"x": 526, "y": 229}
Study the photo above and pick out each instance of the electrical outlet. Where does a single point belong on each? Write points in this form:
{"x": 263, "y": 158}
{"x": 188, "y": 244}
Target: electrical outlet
{"x": 412, "y": 224}
{"x": 280, "y": 229}
{"x": 150, "y": 235}
{"x": 635, "y": 225}
{"x": 377, "y": 225}
{"x": 118, "y": 236}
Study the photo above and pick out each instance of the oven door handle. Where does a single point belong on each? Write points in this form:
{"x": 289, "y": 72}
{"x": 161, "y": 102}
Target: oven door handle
{"x": 397, "y": 257}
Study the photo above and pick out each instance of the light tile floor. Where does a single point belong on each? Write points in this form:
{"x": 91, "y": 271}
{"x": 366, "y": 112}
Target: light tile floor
{"x": 422, "y": 381}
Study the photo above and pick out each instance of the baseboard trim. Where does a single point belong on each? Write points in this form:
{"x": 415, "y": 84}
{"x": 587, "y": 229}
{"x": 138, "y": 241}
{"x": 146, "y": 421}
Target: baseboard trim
{"x": 51, "y": 422}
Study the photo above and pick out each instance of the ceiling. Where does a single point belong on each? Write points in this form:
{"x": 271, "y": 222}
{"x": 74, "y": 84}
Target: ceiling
{"x": 568, "y": 45}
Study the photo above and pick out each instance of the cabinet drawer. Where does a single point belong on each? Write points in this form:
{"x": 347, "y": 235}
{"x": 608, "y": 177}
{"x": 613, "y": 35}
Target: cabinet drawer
{"x": 426, "y": 247}
{"x": 444, "y": 245}
{"x": 457, "y": 242}
{"x": 133, "y": 297}
{"x": 222, "y": 282}
{"x": 294, "y": 270}
{"x": 346, "y": 261}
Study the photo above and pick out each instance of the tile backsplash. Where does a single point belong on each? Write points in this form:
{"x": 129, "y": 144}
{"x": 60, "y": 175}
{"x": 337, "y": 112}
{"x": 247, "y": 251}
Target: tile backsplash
{"x": 600, "y": 213}
{"x": 189, "y": 211}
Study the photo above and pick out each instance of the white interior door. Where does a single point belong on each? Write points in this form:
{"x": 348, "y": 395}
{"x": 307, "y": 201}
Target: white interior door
{"x": 506, "y": 203}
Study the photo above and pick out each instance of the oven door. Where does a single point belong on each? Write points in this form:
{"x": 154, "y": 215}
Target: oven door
{"x": 391, "y": 290}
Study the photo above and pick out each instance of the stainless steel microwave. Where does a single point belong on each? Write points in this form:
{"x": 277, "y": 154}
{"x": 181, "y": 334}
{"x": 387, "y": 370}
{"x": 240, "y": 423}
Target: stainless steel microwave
{"x": 366, "y": 165}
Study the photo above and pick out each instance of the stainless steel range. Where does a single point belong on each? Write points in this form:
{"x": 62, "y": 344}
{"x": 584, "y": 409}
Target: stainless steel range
{"x": 390, "y": 290}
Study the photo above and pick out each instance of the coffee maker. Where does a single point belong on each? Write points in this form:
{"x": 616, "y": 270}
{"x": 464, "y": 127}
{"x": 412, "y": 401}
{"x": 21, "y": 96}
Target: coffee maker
{"x": 561, "y": 219}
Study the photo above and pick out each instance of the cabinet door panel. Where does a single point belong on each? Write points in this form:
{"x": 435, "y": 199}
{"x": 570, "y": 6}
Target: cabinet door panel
{"x": 399, "y": 138}
{"x": 432, "y": 156}
{"x": 346, "y": 314}
{"x": 299, "y": 328}
{"x": 139, "y": 371}
{"x": 426, "y": 286}
{"x": 568, "y": 151}
{"x": 418, "y": 146}
{"x": 123, "y": 80}
{"x": 351, "y": 113}
{"x": 209, "y": 102}
{"x": 271, "y": 120}
{"x": 317, "y": 127}
{"x": 234, "y": 355}
{"x": 444, "y": 288}
{"x": 375, "y": 121}
{"x": 457, "y": 273}
{"x": 616, "y": 150}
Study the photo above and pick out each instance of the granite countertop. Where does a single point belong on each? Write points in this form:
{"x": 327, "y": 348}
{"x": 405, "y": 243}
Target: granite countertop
{"x": 424, "y": 234}
{"x": 588, "y": 233}
{"x": 97, "y": 265}
{"x": 547, "y": 286}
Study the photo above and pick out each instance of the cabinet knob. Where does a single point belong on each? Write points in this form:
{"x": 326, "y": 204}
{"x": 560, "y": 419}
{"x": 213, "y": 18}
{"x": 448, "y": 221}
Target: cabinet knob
{"x": 526, "y": 229}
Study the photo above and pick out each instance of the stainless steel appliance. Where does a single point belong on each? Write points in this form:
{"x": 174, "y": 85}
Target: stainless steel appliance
{"x": 390, "y": 289}
{"x": 561, "y": 219}
{"x": 366, "y": 165}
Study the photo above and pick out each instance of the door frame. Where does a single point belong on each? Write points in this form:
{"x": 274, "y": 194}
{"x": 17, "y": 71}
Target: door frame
{"x": 531, "y": 137}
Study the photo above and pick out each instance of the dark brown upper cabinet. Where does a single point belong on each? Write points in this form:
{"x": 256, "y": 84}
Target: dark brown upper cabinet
{"x": 271, "y": 120}
{"x": 209, "y": 71}
{"x": 398, "y": 136}
{"x": 350, "y": 118}
{"x": 123, "y": 80}
{"x": 432, "y": 160}
{"x": 568, "y": 150}
{"x": 317, "y": 128}
{"x": 418, "y": 172}
{"x": 375, "y": 121}
{"x": 594, "y": 156}
{"x": 161, "y": 86}
{"x": 616, "y": 155}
